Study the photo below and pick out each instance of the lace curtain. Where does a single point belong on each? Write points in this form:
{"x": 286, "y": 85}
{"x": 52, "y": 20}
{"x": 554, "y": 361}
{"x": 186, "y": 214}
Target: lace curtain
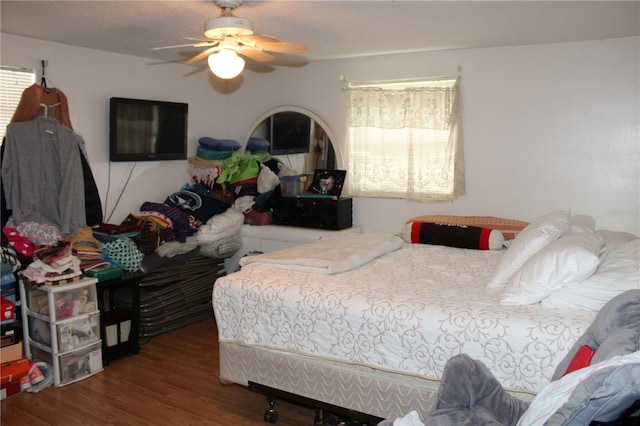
{"x": 406, "y": 142}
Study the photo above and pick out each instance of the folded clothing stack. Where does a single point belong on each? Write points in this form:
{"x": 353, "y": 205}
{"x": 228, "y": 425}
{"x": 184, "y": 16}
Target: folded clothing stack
{"x": 257, "y": 145}
{"x": 206, "y": 165}
{"x": 86, "y": 246}
{"x": 216, "y": 149}
{"x": 53, "y": 265}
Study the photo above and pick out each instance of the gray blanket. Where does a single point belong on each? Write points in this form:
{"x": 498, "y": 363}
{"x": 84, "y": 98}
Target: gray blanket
{"x": 470, "y": 395}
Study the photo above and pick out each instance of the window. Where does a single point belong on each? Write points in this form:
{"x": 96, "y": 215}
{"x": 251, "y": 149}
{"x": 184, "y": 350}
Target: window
{"x": 13, "y": 81}
{"x": 404, "y": 140}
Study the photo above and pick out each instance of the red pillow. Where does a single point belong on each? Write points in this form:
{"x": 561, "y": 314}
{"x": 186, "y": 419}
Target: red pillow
{"x": 461, "y": 236}
{"x": 581, "y": 359}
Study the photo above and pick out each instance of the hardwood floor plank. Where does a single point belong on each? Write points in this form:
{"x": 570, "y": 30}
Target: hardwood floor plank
{"x": 172, "y": 381}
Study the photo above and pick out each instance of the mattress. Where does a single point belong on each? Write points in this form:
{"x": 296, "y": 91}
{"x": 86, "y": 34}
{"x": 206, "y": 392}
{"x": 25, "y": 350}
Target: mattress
{"x": 406, "y": 312}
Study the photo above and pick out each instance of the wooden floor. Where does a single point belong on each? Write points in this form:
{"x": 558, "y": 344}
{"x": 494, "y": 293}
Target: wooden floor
{"x": 172, "y": 381}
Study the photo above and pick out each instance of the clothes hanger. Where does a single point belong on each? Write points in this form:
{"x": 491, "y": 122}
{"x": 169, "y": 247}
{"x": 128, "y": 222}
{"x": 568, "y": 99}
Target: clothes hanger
{"x": 43, "y": 79}
{"x": 45, "y": 88}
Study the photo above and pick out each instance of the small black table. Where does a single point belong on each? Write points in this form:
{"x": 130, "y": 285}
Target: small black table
{"x": 112, "y": 316}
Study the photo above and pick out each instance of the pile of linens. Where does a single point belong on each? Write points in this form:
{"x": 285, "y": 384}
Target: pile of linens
{"x": 52, "y": 265}
{"x": 249, "y": 180}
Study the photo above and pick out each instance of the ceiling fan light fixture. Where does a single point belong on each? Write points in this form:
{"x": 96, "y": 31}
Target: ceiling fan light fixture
{"x": 226, "y": 64}
{"x": 227, "y": 25}
{"x": 230, "y": 36}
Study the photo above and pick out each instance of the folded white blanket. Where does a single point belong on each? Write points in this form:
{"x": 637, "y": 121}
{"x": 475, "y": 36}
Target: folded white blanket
{"x": 329, "y": 255}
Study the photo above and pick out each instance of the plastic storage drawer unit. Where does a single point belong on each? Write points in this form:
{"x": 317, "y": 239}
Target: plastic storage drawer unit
{"x": 80, "y": 364}
{"x": 78, "y": 332}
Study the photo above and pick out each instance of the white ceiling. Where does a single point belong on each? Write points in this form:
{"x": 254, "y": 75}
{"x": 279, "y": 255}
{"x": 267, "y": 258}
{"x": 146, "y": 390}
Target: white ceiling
{"x": 331, "y": 29}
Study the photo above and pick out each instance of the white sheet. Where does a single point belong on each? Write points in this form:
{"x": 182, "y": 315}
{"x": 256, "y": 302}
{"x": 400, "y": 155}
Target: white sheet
{"x": 407, "y": 311}
{"x": 329, "y": 255}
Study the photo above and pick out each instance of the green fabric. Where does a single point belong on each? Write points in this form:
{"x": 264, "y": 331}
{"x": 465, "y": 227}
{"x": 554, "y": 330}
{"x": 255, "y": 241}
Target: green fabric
{"x": 241, "y": 166}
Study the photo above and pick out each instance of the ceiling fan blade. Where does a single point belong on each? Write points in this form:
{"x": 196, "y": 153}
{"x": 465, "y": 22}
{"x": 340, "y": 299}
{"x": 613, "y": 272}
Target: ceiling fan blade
{"x": 256, "y": 55}
{"x": 200, "y": 56}
{"x": 285, "y": 47}
{"x": 197, "y": 42}
{"x": 172, "y": 47}
{"x": 206, "y": 44}
{"x": 259, "y": 38}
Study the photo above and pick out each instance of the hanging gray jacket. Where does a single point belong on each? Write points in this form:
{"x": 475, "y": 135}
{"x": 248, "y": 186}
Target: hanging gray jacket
{"x": 42, "y": 174}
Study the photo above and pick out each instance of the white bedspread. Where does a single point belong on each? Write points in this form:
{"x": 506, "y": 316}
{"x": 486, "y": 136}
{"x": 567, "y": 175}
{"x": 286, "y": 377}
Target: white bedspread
{"x": 407, "y": 311}
{"x": 329, "y": 255}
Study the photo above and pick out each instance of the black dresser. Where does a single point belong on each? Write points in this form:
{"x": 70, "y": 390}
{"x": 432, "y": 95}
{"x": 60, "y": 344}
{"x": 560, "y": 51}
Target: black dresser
{"x": 321, "y": 213}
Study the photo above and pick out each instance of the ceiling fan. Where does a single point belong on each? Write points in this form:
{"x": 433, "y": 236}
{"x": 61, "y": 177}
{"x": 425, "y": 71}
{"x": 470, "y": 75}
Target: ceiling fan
{"x": 229, "y": 37}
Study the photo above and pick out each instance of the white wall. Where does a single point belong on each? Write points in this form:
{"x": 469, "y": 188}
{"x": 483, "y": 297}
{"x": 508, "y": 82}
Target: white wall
{"x": 546, "y": 126}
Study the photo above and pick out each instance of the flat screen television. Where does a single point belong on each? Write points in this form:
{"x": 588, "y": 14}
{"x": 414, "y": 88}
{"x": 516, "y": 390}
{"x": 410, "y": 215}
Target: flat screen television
{"x": 146, "y": 130}
{"x": 290, "y": 133}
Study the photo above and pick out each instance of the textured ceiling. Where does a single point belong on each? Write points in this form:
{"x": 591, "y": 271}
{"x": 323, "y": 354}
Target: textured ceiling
{"x": 331, "y": 29}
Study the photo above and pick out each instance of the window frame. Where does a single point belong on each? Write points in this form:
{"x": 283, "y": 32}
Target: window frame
{"x": 13, "y": 82}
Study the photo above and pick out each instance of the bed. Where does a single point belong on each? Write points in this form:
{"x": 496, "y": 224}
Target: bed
{"x": 372, "y": 334}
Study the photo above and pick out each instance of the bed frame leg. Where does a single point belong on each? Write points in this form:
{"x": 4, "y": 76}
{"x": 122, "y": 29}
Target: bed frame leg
{"x": 271, "y": 415}
{"x": 326, "y": 414}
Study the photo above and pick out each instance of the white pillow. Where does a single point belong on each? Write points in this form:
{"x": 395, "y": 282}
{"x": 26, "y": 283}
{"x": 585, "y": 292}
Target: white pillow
{"x": 582, "y": 223}
{"x": 619, "y": 271}
{"x": 568, "y": 260}
{"x": 530, "y": 240}
{"x": 614, "y": 239}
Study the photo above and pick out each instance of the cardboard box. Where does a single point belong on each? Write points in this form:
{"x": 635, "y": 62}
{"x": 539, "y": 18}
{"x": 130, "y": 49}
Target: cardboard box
{"x": 7, "y": 309}
{"x": 10, "y": 389}
{"x": 7, "y": 285}
{"x": 14, "y": 370}
{"x": 10, "y": 333}
{"x": 11, "y": 353}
